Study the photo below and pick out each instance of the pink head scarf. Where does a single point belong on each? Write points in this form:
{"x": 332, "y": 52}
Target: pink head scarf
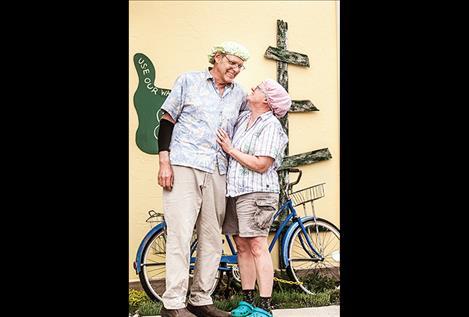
{"x": 277, "y": 97}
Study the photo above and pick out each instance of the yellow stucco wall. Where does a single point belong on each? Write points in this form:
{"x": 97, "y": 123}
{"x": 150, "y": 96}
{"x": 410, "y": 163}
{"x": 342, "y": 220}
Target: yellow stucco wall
{"x": 177, "y": 37}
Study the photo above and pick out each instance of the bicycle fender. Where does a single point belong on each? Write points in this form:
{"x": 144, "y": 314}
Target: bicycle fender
{"x": 288, "y": 235}
{"x": 138, "y": 259}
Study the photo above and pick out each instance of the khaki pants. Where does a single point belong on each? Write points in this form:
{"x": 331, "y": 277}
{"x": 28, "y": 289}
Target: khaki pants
{"x": 196, "y": 197}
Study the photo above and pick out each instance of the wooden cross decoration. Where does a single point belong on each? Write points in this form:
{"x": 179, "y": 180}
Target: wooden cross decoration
{"x": 283, "y": 58}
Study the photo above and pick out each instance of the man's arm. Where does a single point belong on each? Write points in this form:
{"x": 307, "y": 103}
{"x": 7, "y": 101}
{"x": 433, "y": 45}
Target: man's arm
{"x": 165, "y": 173}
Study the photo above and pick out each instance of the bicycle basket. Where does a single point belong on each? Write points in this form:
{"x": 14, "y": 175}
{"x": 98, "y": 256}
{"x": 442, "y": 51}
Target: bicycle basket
{"x": 308, "y": 194}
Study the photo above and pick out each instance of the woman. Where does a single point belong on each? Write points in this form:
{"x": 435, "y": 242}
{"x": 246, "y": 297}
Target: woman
{"x": 253, "y": 189}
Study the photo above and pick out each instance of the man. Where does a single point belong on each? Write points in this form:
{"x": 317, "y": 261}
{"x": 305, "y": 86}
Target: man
{"x": 192, "y": 173}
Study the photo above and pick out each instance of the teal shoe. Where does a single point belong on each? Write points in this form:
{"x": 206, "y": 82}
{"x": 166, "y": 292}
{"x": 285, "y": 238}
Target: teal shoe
{"x": 243, "y": 309}
{"x": 259, "y": 312}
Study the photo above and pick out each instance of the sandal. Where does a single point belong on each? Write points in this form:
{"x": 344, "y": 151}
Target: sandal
{"x": 259, "y": 312}
{"x": 243, "y": 309}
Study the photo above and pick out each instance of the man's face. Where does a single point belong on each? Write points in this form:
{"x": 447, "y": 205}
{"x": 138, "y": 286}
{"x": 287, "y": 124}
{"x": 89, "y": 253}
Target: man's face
{"x": 229, "y": 66}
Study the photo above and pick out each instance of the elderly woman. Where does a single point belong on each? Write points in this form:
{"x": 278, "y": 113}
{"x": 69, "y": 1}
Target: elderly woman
{"x": 256, "y": 152}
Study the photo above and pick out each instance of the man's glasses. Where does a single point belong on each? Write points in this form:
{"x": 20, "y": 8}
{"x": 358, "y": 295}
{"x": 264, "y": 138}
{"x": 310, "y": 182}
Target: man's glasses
{"x": 234, "y": 64}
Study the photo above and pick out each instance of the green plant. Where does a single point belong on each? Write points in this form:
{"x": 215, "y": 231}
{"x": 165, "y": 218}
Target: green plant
{"x": 136, "y": 298}
{"x": 320, "y": 283}
{"x": 317, "y": 283}
{"x": 289, "y": 297}
{"x": 297, "y": 299}
{"x": 149, "y": 308}
{"x": 229, "y": 304}
{"x": 335, "y": 297}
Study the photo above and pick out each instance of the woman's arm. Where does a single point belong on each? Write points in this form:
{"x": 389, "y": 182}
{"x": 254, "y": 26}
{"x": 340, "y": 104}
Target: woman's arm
{"x": 258, "y": 164}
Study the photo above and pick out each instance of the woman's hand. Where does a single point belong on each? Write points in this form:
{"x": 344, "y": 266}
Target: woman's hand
{"x": 259, "y": 164}
{"x": 224, "y": 141}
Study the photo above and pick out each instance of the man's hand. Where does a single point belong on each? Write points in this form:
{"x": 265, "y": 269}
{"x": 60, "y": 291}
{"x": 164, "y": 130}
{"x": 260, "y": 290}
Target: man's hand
{"x": 165, "y": 173}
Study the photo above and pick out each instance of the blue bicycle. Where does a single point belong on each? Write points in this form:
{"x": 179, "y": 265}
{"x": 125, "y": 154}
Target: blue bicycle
{"x": 310, "y": 248}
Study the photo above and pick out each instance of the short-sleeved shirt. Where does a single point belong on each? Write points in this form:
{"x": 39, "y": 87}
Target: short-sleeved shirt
{"x": 264, "y": 138}
{"x": 199, "y": 110}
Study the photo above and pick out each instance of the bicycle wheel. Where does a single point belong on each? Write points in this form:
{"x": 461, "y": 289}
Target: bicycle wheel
{"x": 305, "y": 267}
{"x": 153, "y": 273}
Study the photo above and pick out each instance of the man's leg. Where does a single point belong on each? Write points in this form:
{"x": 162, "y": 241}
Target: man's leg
{"x": 181, "y": 207}
{"x": 209, "y": 240}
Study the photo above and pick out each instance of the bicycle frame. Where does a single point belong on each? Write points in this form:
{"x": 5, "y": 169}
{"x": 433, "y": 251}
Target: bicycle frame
{"x": 233, "y": 259}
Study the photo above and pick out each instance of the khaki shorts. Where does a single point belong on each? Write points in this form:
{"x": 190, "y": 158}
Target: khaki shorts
{"x": 250, "y": 215}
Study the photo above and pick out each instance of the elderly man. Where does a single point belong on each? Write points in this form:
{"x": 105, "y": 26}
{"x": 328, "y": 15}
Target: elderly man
{"x": 192, "y": 173}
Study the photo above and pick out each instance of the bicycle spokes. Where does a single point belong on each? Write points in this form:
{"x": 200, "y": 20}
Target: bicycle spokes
{"x": 308, "y": 247}
{"x": 315, "y": 272}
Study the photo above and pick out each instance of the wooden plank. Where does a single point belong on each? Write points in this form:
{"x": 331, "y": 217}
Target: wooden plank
{"x": 306, "y": 158}
{"x": 302, "y": 106}
{"x": 286, "y": 56}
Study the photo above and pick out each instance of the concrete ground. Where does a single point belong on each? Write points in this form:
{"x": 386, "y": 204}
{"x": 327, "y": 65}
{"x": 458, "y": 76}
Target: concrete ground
{"x": 324, "y": 311}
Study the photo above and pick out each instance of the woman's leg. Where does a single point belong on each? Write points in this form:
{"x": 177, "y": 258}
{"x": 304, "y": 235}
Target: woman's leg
{"x": 247, "y": 268}
{"x": 263, "y": 265}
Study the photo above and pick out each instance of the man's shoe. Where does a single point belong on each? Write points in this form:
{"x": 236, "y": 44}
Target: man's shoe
{"x": 181, "y": 312}
{"x": 207, "y": 311}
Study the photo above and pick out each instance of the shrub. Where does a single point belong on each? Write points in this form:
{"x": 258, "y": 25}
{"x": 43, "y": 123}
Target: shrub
{"x": 136, "y": 298}
{"x": 149, "y": 308}
{"x": 229, "y": 304}
{"x": 320, "y": 283}
{"x": 229, "y": 294}
{"x": 297, "y": 299}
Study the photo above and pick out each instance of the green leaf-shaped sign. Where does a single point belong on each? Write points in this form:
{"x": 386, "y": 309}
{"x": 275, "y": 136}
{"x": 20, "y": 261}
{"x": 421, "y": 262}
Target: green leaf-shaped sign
{"x": 148, "y": 100}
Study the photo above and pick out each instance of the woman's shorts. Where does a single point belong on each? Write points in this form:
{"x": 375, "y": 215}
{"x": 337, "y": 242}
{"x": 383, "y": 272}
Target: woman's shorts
{"x": 250, "y": 215}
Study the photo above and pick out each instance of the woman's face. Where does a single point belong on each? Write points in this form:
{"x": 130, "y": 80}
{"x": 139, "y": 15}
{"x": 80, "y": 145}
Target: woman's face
{"x": 256, "y": 96}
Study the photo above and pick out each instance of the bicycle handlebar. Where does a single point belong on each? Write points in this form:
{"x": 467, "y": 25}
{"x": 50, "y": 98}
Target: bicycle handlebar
{"x": 293, "y": 170}
{"x": 153, "y": 214}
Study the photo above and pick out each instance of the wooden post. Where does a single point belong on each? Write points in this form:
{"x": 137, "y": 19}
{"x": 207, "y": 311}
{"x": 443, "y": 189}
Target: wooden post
{"x": 282, "y": 78}
{"x": 283, "y": 57}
